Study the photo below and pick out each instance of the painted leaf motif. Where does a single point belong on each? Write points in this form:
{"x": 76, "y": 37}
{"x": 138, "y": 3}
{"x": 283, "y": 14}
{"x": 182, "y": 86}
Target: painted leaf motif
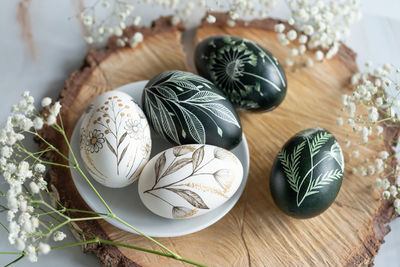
{"x": 310, "y": 186}
{"x": 177, "y": 166}
{"x": 167, "y": 122}
{"x": 167, "y": 92}
{"x": 159, "y": 166}
{"x": 324, "y": 179}
{"x": 123, "y": 154}
{"x": 221, "y": 112}
{"x": 337, "y": 154}
{"x": 182, "y": 75}
{"x": 196, "y": 128}
{"x": 205, "y": 96}
{"x": 220, "y": 132}
{"x": 186, "y": 84}
{"x": 194, "y": 199}
{"x": 318, "y": 141}
{"x": 153, "y": 116}
{"x": 181, "y": 150}
{"x": 221, "y": 154}
{"x": 205, "y": 188}
{"x": 122, "y": 138}
{"x": 224, "y": 178}
{"x": 290, "y": 165}
{"x": 182, "y": 212}
{"x": 162, "y": 77}
{"x": 110, "y": 147}
{"x": 197, "y": 157}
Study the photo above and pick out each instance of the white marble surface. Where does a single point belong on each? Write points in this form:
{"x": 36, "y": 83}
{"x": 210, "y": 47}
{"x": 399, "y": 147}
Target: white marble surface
{"x": 58, "y": 48}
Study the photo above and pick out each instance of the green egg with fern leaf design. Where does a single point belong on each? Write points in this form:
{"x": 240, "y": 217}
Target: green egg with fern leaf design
{"x": 307, "y": 173}
{"x": 249, "y": 75}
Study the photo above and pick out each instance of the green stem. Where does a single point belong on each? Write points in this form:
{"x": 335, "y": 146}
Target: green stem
{"x": 16, "y": 260}
{"x": 386, "y": 119}
{"x": 50, "y": 145}
{"x": 151, "y": 251}
{"x": 88, "y": 218}
{"x": 99, "y": 240}
{"x": 176, "y": 256}
{"x": 76, "y": 244}
{"x": 91, "y": 185}
{"x": 51, "y": 208}
{"x": 53, "y": 197}
{"x": 96, "y": 239}
{"x": 21, "y": 148}
{"x": 76, "y": 164}
{"x": 5, "y": 227}
{"x": 87, "y": 212}
{"x": 72, "y": 220}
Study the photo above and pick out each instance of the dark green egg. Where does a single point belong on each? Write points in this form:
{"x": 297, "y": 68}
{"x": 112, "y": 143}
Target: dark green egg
{"x": 185, "y": 108}
{"x": 307, "y": 173}
{"x": 249, "y": 75}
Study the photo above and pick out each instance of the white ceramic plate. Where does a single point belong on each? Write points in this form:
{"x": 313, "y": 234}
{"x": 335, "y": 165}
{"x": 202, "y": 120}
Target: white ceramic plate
{"x": 126, "y": 203}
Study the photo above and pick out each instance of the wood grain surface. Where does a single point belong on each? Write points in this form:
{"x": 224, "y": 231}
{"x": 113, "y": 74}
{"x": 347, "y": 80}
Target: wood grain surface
{"x": 255, "y": 232}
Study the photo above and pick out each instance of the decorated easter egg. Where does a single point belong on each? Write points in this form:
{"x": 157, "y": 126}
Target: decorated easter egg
{"x": 187, "y": 109}
{"x": 249, "y": 75}
{"x": 115, "y": 139}
{"x": 307, "y": 173}
{"x": 189, "y": 180}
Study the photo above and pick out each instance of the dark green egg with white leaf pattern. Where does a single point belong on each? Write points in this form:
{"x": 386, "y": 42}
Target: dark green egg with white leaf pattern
{"x": 185, "y": 108}
{"x": 307, "y": 173}
{"x": 249, "y": 75}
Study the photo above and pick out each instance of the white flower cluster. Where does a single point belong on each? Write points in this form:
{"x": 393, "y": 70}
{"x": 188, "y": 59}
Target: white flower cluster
{"x": 373, "y": 105}
{"x": 317, "y": 26}
{"x": 237, "y": 9}
{"x": 243, "y": 9}
{"x": 119, "y": 15}
{"x": 25, "y": 180}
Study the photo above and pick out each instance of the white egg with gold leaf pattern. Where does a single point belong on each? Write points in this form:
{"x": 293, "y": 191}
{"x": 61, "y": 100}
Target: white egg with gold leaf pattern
{"x": 115, "y": 141}
{"x": 189, "y": 180}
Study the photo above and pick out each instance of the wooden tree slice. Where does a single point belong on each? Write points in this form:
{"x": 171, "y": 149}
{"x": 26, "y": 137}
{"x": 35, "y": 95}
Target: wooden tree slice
{"x": 255, "y": 232}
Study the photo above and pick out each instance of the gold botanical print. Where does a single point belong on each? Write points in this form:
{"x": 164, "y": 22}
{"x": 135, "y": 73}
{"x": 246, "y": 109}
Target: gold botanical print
{"x": 223, "y": 178}
{"x": 92, "y": 168}
{"x": 116, "y": 123}
{"x": 94, "y": 141}
{"x": 205, "y": 188}
{"x": 134, "y": 128}
{"x": 183, "y": 212}
{"x": 111, "y": 119}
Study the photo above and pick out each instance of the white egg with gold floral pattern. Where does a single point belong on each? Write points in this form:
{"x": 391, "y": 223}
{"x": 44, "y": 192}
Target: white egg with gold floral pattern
{"x": 115, "y": 141}
{"x": 189, "y": 180}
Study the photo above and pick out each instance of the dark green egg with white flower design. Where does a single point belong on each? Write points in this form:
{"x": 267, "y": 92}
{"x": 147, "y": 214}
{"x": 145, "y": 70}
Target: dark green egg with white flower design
{"x": 249, "y": 75}
{"x": 185, "y": 108}
{"x": 307, "y": 173}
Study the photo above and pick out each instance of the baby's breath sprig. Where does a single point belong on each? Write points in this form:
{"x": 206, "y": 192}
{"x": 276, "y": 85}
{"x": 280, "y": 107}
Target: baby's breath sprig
{"x": 34, "y": 214}
{"x": 318, "y": 26}
{"x": 114, "y": 15}
{"x": 371, "y": 108}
